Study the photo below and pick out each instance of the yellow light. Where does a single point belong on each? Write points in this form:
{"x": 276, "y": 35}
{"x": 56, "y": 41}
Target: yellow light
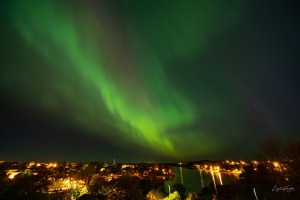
{"x": 12, "y": 175}
{"x": 275, "y": 164}
{"x": 220, "y": 178}
{"x": 217, "y": 168}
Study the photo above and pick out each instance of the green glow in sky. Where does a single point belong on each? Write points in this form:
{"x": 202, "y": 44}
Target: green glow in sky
{"x": 102, "y": 65}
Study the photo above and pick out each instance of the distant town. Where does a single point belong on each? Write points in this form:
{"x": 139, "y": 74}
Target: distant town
{"x": 111, "y": 180}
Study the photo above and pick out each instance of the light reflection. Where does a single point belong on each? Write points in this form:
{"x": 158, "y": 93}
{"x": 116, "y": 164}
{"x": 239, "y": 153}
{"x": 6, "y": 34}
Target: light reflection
{"x": 181, "y": 176}
{"x": 213, "y": 177}
{"x": 220, "y": 178}
{"x": 202, "y": 184}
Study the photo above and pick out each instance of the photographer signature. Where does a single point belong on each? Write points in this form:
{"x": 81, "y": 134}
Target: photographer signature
{"x": 287, "y": 189}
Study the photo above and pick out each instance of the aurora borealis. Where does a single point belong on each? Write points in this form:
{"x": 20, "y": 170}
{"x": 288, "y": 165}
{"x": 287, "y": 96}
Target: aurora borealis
{"x": 146, "y": 80}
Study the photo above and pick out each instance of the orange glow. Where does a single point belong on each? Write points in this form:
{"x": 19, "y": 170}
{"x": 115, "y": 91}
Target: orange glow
{"x": 276, "y": 164}
{"x": 13, "y": 174}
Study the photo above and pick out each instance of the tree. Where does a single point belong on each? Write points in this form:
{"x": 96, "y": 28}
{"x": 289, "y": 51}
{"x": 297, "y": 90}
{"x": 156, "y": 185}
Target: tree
{"x": 207, "y": 191}
{"x": 293, "y": 169}
{"x": 25, "y": 186}
{"x": 149, "y": 184}
{"x": 125, "y": 187}
{"x": 271, "y": 148}
{"x": 179, "y": 187}
{"x": 277, "y": 169}
{"x": 98, "y": 182}
{"x": 292, "y": 149}
{"x": 74, "y": 193}
{"x": 86, "y": 172}
{"x": 193, "y": 196}
{"x": 131, "y": 186}
{"x": 173, "y": 196}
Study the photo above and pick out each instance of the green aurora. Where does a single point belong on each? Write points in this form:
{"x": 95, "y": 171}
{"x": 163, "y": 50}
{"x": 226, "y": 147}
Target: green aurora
{"x": 105, "y": 67}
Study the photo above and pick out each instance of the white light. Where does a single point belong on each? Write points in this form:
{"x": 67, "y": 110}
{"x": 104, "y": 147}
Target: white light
{"x": 255, "y": 194}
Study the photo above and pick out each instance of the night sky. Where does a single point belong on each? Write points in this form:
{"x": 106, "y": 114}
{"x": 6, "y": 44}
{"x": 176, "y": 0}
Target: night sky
{"x": 147, "y": 81}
